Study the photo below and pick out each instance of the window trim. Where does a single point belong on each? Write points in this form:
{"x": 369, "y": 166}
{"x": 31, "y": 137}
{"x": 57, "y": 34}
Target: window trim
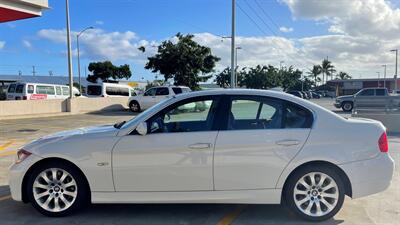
{"x": 227, "y": 106}
{"x": 215, "y": 107}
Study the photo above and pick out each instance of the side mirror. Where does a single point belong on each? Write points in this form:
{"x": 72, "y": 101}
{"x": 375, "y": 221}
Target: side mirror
{"x": 142, "y": 128}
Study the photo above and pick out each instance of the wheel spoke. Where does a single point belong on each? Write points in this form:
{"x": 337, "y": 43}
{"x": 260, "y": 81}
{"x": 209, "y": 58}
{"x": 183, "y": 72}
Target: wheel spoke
{"x": 327, "y": 204}
{"x": 38, "y": 196}
{"x": 302, "y": 201}
{"x": 319, "y": 210}
{"x": 308, "y": 209}
{"x": 327, "y": 187}
{"x": 304, "y": 183}
{"x": 312, "y": 178}
{"x": 322, "y": 179}
{"x": 63, "y": 177}
{"x": 69, "y": 184}
{"x": 72, "y": 194}
{"x": 54, "y": 175}
{"x": 47, "y": 202}
{"x": 39, "y": 185}
{"x": 45, "y": 178}
{"x": 328, "y": 195}
{"x": 65, "y": 201}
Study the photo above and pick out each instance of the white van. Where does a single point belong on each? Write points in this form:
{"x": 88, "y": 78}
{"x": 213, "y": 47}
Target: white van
{"x": 36, "y": 91}
{"x": 109, "y": 90}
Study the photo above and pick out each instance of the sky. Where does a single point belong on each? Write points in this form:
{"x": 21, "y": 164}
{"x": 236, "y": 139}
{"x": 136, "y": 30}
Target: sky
{"x": 356, "y": 35}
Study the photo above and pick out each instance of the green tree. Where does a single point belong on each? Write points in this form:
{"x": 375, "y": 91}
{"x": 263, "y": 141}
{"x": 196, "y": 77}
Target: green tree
{"x": 343, "y": 76}
{"x": 106, "y": 70}
{"x": 327, "y": 69}
{"x": 314, "y": 74}
{"x": 260, "y": 77}
{"x": 186, "y": 62}
{"x": 290, "y": 78}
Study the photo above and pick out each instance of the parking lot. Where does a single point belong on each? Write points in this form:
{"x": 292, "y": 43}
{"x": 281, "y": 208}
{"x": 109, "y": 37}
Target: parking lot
{"x": 382, "y": 208}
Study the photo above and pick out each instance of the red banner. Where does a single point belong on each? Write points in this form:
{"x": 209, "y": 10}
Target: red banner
{"x": 38, "y": 96}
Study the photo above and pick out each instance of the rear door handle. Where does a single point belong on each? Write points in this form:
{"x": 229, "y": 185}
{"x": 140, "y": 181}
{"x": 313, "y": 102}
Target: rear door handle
{"x": 200, "y": 146}
{"x": 288, "y": 142}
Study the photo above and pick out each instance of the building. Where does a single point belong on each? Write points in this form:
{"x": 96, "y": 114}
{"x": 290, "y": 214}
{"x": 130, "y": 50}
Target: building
{"x": 351, "y": 86}
{"x": 11, "y": 10}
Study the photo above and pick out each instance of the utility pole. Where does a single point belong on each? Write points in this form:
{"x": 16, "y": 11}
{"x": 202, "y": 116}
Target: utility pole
{"x": 384, "y": 76}
{"x": 33, "y": 71}
{"x": 395, "y": 73}
{"x": 79, "y": 60}
{"x": 236, "y": 65}
{"x": 379, "y": 77}
{"x": 71, "y": 80}
{"x": 233, "y": 45}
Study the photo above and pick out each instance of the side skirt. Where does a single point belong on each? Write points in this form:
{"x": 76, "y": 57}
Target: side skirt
{"x": 264, "y": 196}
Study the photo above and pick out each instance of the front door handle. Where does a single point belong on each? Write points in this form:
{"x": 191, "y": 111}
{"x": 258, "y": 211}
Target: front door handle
{"x": 200, "y": 146}
{"x": 288, "y": 142}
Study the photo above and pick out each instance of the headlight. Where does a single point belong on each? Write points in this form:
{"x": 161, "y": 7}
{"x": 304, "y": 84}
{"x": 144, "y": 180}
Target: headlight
{"x": 22, "y": 155}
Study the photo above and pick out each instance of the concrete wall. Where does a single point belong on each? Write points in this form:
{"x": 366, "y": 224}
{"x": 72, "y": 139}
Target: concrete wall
{"x": 82, "y": 105}
{"x": 9, "y": 109}
{"x": 16, "y": 108}
{"x": 391, "y": 121}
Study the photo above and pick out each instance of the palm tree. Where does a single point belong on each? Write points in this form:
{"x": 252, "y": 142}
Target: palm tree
{"x": 327, "y": 69}
{"x": 343, "y": 76}
{"x": 314, "y": 73}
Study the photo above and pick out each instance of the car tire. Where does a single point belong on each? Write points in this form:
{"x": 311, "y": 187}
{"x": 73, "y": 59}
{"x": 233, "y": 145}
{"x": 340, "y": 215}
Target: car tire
{"x": 347, "y": 106}
{"x": 134, "y": 106}
{"x": 326, "y": 198}
{"x": 57, "y": 197}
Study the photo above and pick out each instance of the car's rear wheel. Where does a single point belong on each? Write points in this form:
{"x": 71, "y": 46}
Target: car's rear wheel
{"x": 347, "y": 106}
{"x": 55, "y": 189}
{"x": 315, "y": 194}
{"x": 134, "y": 106}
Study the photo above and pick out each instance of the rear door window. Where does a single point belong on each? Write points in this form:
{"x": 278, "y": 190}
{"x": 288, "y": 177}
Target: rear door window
{"x": 150, "y": 92}
{"x": 380, "y": 92}
{"x": 58, "y": 90}
{"x": 367, "y": 92}
{"x": 162, "y": 91}
{"x": 297, "y": 116}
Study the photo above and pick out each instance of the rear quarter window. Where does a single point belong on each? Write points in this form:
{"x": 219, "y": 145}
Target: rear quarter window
{"x": 19, "y": 89}
{"x": 297, "y": 116}
{"x": 11, "y": 88}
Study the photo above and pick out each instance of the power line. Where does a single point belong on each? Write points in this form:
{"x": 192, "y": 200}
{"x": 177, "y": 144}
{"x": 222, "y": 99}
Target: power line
{"x": 262, "y": 20}
{"x": 267, "y": 15}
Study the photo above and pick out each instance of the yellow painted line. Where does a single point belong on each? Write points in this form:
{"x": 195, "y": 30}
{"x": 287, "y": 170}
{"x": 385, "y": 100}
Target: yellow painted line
{"x": 2, "y": 147}
{"x": 230, "y": 217}
{"x": 5, "y": 198}
{"x": 8, "y": 153}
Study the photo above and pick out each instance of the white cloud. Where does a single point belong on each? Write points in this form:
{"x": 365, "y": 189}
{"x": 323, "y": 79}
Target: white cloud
{"x": 97, "y": 44}
{"x": 27, "y": 44}
{"x": 2, "y": 44}
{"x": 99, "y": 22}
{"x": 375, "y": 18}
{"x": 286, "y": 29}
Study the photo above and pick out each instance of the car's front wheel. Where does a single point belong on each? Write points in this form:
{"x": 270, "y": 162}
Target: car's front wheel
{"x": 347, "y": 106}
{"x": 134, "y": 106}
{"x": 55, "y": 189}
{"x": 315, "y": 194}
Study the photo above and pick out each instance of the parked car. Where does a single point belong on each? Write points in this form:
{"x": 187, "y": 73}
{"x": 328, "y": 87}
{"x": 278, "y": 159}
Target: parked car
{"x": 296, "y": 93}
{"x": 109, "y": 90}
{"x": 153, "y": 96}
{"x": 346, "y": 102}
{"x": 315, "y": 95}
{"x": 245, "y": 146}
{"x": 37, "y": 91}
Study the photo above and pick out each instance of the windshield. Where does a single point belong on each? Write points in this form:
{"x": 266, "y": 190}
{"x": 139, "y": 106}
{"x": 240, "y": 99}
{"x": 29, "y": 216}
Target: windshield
{"x": 143, "y": 115}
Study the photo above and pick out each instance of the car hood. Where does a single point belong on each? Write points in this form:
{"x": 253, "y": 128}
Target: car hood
{"x": 345, "y": 97}
{"x": 64, "y": 134}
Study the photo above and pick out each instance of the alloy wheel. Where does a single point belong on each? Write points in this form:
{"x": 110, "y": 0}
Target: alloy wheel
{"x": 55, "y": 190}
{"x": 316, "y": 194}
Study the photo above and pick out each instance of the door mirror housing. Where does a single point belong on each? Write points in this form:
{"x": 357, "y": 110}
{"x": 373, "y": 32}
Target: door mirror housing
{"x": 142, "y": 128}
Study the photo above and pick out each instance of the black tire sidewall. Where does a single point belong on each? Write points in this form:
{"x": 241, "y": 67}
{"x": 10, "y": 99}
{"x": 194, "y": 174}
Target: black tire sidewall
{"x": 82, "y": 196}
{"x": 138, "y": 106}
{"x": 289, "y": 189}
{"x": 344, "y": 109}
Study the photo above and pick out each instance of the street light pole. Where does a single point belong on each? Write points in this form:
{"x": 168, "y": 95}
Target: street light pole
{"x": 384, "y": 76}
{"x": 233, "y": 45}
{"x": 71, "y": 80}
{"x": 395, "y": 73}
{"x": 79, "y": 60}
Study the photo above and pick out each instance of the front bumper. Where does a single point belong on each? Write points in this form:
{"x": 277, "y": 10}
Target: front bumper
{"x": 337, "y": 104}
{"x": 371, "y": 176}
{"x": 17, "y": 173}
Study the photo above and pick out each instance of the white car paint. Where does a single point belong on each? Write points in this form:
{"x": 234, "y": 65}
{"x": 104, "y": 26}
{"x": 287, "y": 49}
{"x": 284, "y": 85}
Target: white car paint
{"x": 248, "y": 166}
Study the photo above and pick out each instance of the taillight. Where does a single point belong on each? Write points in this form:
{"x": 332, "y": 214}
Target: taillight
{"x": 383, "y": 143}
{"x": 22, "y": 155}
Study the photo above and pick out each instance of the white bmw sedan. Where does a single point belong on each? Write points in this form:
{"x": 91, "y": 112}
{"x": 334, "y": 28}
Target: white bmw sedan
{"x": 224, "y": 146}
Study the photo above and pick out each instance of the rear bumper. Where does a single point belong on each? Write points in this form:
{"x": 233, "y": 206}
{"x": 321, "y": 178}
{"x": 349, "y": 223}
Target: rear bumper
{"x": 371, "y": 176}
